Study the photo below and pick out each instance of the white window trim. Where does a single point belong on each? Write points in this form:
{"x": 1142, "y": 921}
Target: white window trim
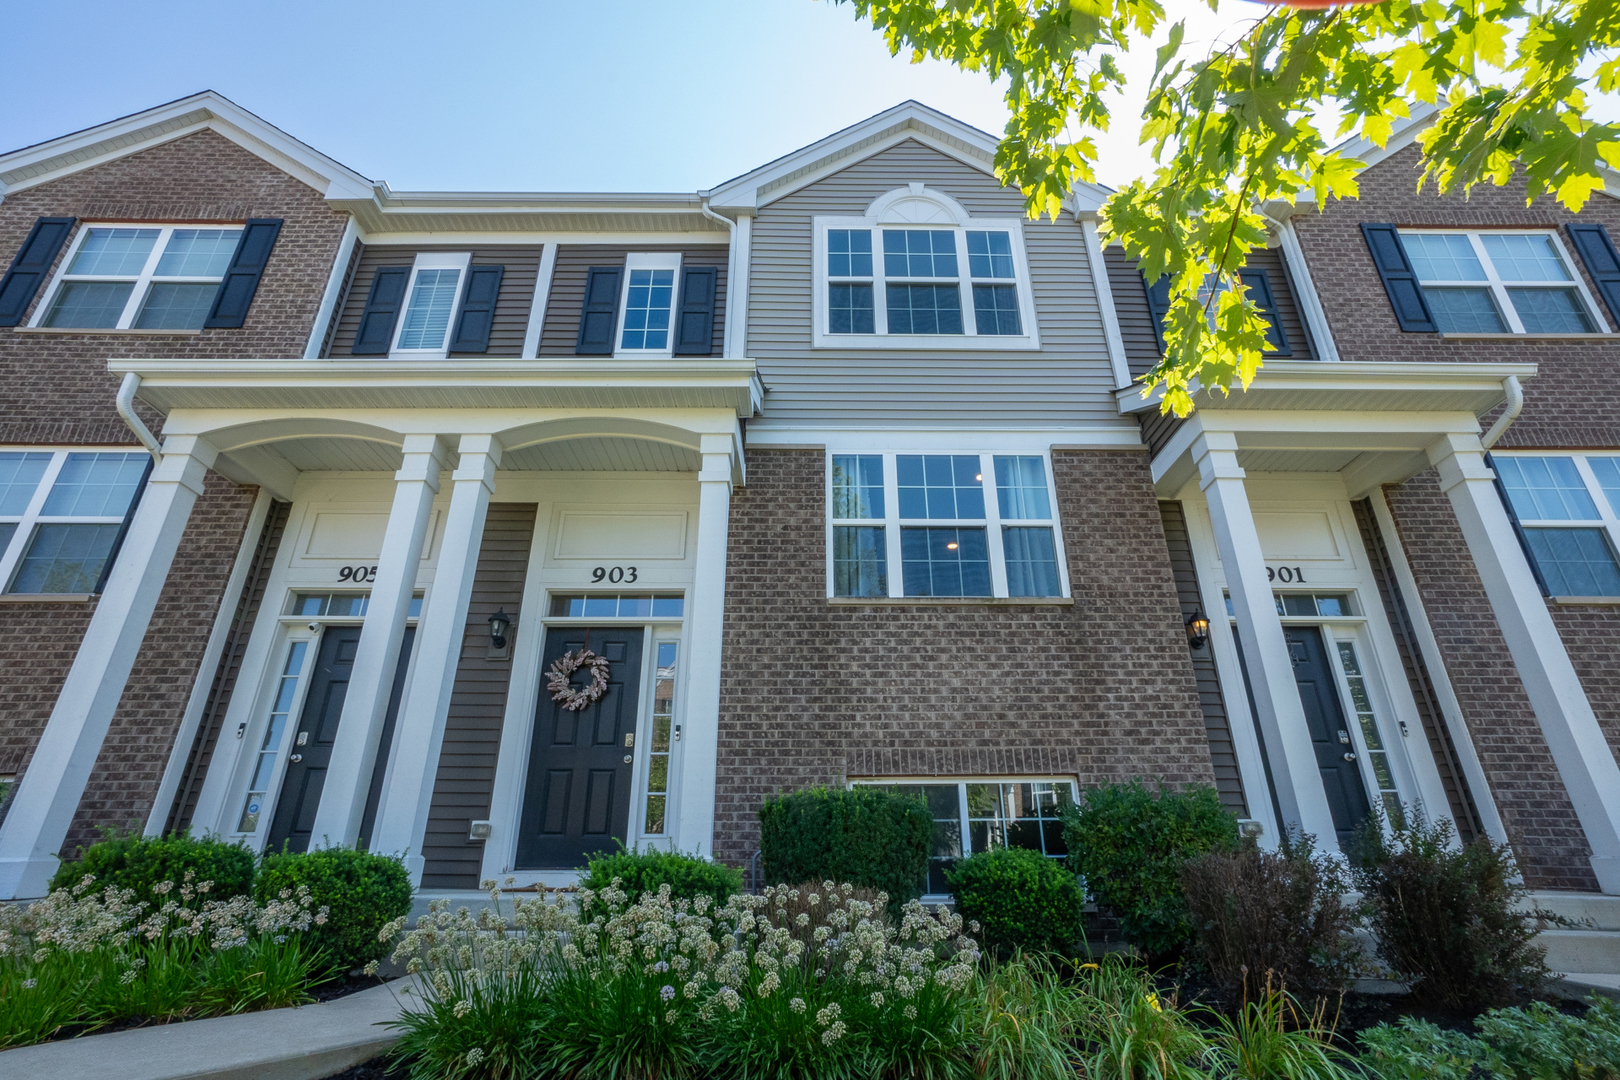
{"x": 946, "y": 216}
{"x": 431, "y": 260}
{"x": 1608, "y": 519}
{"x": 33, "y": 515}
{"x": 1498, "y": 287}
{"x": 648, "y": 260}
{"x": 992, "y": 523}
{"x": 142, "y": 281}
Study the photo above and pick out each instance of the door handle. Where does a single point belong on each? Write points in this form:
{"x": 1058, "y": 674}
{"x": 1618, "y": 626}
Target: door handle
{"x": 296, "y": 757}
{"x": 627, "y": 759}
{"x": 1349, "y": 756}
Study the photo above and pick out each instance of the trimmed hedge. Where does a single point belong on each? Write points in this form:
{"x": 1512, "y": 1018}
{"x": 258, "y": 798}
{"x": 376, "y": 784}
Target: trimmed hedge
{"x": 361, "y": 892}
{"x": 1130, "y": 845}
{"x": 865, "y": 836}
{"x": 1021, "y": 900}
{"x": 643, "y": 871}
{"x": 131, "y": 861}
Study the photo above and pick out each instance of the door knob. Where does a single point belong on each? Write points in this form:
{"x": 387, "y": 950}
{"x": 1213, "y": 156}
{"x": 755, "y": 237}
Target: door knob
{"x": 1349, "y": 757}
{"x": 296, "y": 757}
{"x": 627, "y": 759}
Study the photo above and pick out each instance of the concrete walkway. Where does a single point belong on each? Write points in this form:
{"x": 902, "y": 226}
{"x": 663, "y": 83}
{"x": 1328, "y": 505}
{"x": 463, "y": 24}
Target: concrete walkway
{"x": 305, "y": 1043}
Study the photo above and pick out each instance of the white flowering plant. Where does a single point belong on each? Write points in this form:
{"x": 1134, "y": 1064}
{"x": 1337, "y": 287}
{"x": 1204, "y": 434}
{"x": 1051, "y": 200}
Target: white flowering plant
{"x": 83, "y": 956}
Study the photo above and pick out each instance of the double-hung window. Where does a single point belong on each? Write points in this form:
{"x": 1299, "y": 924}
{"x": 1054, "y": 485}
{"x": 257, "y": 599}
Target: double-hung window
{"x": 646, "y": 320}
{"x": 1500, "y": 283}
{"x": 139, "y": 277}
{"x": 924, "y": 525}
{"x": 437, "y": 280}
{"x": 60, "y": 515}
{"x": 1566, "y": 505}
{"x": 924, "y": 286}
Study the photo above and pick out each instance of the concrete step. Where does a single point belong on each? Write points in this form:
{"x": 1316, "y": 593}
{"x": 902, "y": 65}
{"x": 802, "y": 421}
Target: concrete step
{"x": 1594, "y": 911}
{"x": 1582, "y": 950}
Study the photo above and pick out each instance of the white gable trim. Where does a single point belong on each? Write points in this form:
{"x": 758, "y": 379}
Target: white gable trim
{"x": 56, "y": 158}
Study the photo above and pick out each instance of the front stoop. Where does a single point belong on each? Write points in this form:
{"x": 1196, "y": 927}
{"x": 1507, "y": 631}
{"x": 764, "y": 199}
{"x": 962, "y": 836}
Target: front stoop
{"x": 305, "y": 1043}
{"x": 1587, "y": 954}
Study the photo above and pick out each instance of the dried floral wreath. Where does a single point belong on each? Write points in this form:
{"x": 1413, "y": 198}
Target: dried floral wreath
{"x": 565, "y": 665}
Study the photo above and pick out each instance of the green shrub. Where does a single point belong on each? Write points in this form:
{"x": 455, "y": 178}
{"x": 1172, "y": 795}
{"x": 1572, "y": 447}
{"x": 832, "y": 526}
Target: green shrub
{"x": 1263, "y": 914}
{"x": 864, "y": 836}
{"x": 1021, "y": 900}
{"x": 1540, "y": 1042}
{"x": 643, "y": 871}
{"x": 1130, "y": 844}
{"x": 361, "y": 891}
{"x": 1450, "y": 920}
{"x": 1418, "y": 1050}
{"x": 131, "y": 861}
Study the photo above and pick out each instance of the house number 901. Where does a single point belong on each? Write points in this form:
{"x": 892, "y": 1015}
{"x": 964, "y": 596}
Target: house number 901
{"x": 1286, "y": 574}
{"x": 615, "y": 574}
{"x": 357, "y": 574}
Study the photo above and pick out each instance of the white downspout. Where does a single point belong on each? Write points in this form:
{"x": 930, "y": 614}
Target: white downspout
{"x": 126, "y": 409}
{"x": 1515, "y": 405}
{"x": 731, "y": 278}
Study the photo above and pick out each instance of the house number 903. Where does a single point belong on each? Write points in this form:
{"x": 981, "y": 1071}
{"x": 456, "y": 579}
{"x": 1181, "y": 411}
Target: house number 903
{"x": 615, "y": 574}
{"x": 1286, "y": 574}
{"x": 357, "y": 574}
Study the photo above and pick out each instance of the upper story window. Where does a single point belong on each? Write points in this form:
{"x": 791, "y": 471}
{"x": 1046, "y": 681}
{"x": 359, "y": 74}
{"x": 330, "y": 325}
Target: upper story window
{"x": 916, "y": 525}
{"x": 918, "y": 272}
{"x": 60, "y": 515}
{"x": 654, "y": 305}
{"x": 139, "y": 278}
{"x": 1500, "y": 283}
{"x": 435, "y": 286}
{"x": 649, "y": 303}
{"x": 440, "y": 304}
{"x": 1566, "y": 505}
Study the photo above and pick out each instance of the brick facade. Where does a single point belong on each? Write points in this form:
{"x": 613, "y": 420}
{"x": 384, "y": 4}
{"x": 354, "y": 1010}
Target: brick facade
{"x": 55, "y": 390}
{"x": 815, "y": 693}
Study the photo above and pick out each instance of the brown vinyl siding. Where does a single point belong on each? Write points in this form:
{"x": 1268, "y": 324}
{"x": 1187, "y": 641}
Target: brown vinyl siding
{"x": 229, "y": 668}
{"x": 1282, "y": 290}
{"x": 1070, "y": 379}
{"x": 567, "y": 297}
{"x": 472, "y": 730}
{"x": 343, "y": 300}
{"x": 511, "y": 306}
{"x": 1217, "y": 723}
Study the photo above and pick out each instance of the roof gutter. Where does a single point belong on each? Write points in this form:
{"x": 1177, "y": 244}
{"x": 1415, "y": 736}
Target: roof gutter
{"x": 125, "y": 401}
{"x": 1515, "y": 405}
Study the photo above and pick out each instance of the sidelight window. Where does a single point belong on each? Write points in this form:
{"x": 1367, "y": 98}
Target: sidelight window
{"x": 1566, "y": 506}
{"x": 655, "y": 817}
{"x": 1499, "y": 283}
{"x": 264, "y": 764}
{"x": 923, "y": 525}
{"x": 61, "y": 515}
{"x": 1381, "y": 776}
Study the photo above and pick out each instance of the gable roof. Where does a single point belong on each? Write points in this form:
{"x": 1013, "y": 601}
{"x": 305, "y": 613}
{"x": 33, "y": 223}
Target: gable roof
{"x": 907, "y": 120}
{"x": 56, "y": 158}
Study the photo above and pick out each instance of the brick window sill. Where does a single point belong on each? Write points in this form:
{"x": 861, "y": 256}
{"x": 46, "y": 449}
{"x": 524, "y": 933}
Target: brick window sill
{"x": 1444, "y": 337}
{"x": 950, "y": 601}
{"x": 1595, "y": 601}
{"x": 104, "y": 333}
{"x": 46, "y": 598}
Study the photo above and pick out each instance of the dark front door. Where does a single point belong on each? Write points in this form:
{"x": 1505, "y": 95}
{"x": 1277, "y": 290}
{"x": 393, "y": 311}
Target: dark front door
{"x": 1330, "y": 735}
{"x": 577, "y": 799}
{"x": 311, "y": 751}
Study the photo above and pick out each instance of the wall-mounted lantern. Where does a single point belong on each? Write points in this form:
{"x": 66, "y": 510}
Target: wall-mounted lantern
{"x": 499, "y": 623}
{"x": 1197, "y": 630}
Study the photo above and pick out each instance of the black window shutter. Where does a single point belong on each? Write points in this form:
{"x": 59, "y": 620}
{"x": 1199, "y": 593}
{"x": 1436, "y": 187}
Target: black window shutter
{"x": 241, "y": 280}
{"x": 599, "y": 317}
{"x": 1158, "y": 296}
{"x": 694, "y": 326}
{"x": 376, "y": 330}
{"x": 1400, "y": 280}
{"x": 1602, "y": 261}
{"x": 1259, "y": 283}
{"x": 31, "y": 264}
{"x": 477, "y": 309}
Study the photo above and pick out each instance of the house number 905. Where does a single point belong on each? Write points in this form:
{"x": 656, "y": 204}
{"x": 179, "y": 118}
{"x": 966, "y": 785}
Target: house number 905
{"x": 358, "y": 574}
{"x": 615, "y": 574}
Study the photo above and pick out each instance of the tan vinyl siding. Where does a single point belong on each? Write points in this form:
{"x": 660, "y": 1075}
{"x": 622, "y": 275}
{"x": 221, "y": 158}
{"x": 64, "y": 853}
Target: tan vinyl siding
{"x": 1069, "y": 379}
{"x": 472, "y": 731}
{"x": 563, "y": 305}
{"x": 511, "y": 307}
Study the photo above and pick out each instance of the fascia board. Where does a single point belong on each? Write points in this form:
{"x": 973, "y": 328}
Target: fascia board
{"x": 909, "y": 119}
{"x": 1400, "y": 379}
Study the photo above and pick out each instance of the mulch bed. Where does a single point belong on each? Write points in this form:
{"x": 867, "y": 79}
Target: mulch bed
{"x": 381, "y": 1067}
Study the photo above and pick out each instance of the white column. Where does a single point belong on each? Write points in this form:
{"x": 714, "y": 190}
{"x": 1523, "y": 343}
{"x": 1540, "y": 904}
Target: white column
{"x": 1584, "y": 760}
{"x": 49, "y": 793}
{"x": 1294, "y": 769}
{"x": 705, "y": 624}
{"x": 354, "y": 752}
{"x": 419, "y": 734}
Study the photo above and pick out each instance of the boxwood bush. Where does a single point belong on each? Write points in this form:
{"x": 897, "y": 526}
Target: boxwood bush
{"x": 132, "y": 861}
{"x": 1021, "y": 900}
{"x": 361, "y": 892}
{"x": 865, "y": 836}
{"x": 1130, "y": 844}
{"x": 644, "y": 870}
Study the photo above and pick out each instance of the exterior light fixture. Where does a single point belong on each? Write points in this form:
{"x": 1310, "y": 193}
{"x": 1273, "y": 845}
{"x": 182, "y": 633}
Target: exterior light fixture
{"x": 1197, "y": 630}
{"x": 499, "y": 623}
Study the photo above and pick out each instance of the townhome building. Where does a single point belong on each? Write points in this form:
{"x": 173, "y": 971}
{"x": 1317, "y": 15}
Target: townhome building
{"x": 314, "y": 494}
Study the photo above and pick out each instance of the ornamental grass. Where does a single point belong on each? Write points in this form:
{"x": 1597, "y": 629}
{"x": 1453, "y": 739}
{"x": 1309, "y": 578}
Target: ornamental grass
{"x": 85, "y": 957}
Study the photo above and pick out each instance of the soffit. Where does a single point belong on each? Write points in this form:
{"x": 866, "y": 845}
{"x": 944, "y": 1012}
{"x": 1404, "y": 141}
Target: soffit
{"x": 1345, "y": 387}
